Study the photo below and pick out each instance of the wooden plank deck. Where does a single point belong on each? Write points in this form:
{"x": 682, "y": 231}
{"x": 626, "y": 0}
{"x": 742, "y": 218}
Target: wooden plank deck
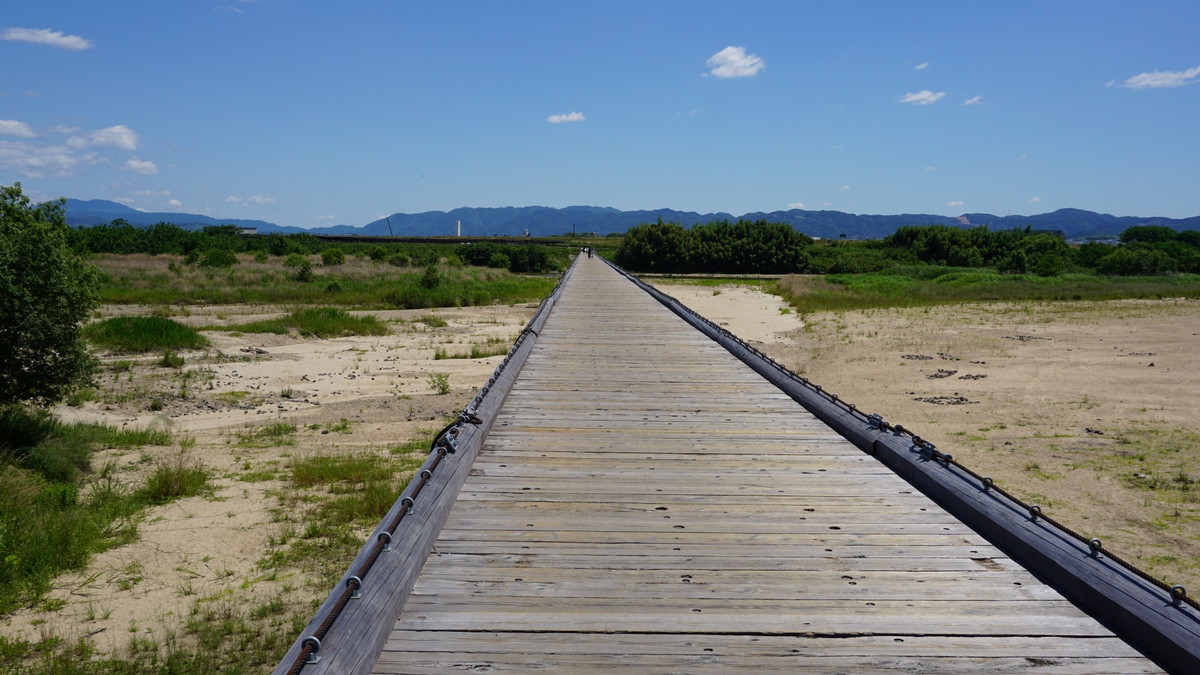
{"x": 647, "y": 503}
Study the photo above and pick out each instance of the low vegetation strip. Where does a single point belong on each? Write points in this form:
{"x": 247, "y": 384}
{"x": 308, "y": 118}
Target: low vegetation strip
{"x": 322, "y": 322}
{"x": 922, "y": 286}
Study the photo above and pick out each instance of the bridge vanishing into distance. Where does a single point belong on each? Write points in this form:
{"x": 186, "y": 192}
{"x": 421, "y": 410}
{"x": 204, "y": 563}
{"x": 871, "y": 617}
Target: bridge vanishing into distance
{"x": 636, "y": 490}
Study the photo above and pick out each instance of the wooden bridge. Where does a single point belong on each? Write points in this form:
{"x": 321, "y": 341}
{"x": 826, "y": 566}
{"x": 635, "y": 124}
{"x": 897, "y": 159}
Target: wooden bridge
{"x": 643, "y": 501}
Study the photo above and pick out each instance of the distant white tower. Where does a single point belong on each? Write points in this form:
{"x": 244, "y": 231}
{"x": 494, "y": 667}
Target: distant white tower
{"x": 458, "y": 228}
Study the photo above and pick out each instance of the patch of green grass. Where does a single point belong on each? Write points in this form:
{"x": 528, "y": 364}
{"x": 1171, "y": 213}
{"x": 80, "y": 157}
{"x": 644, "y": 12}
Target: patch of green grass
{"x": 55, "y": 512}
{"x": 322, "y": 322}
{"x": 327, "y": 469}
{"x": 143, "y": 334}
{"x": 433, "y": 321}
{"x": 268, "y": 436}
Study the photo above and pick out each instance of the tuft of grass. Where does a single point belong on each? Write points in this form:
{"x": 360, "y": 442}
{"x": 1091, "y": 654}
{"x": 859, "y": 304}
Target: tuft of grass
{"x": 173, "y": 479}
{"x": 143, "y": 334}
{"x": 433, "y": 321}
{"x": 171, "y": 360}
{"x": 439, "y": 383}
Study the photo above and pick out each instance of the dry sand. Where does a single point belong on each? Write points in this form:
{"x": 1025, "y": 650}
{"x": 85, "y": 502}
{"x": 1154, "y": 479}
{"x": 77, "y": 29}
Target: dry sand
{"x": 1065, "y": 403}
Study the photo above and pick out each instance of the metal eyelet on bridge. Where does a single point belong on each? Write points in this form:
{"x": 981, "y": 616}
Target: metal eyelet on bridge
{"x": 1095, "y": 546}
{"x": 1035, "y": 512}
{"x": 988, "y": 483}
{"x": 315, "y": 643}
{"x": 386, "y": 538}
{"x": 1178, "y": 594}
{"x": 407, "y": 503}
{"x": 354, "y": 583}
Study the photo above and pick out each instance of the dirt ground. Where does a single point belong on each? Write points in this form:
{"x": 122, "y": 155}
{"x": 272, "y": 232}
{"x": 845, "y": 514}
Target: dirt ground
{"x": 1086, "y": 408}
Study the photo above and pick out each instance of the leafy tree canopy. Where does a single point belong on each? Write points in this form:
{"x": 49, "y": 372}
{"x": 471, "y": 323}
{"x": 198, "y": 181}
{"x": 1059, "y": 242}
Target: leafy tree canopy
{"x": 46, "y": 294}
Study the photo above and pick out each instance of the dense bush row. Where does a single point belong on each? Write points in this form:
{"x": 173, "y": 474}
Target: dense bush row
{"x": 773, "y": 248}
{"x": 214, "y": 246}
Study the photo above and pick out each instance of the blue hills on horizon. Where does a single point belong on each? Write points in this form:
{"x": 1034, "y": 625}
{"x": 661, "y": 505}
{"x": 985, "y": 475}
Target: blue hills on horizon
{"x": 541, "y": 221}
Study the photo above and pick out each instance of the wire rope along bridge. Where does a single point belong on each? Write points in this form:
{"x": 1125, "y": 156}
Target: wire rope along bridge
{"x": 625, "y": 493}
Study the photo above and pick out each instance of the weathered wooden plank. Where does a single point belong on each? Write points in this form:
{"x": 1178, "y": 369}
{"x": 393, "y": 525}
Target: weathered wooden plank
{"x": 741, "y": 645}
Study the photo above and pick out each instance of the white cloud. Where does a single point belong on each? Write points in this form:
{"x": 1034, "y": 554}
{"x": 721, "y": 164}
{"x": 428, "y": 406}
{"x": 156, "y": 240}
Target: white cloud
{"x": 923, "y": 97}
{"x": 844, "y": 187}
{"x": 45, "y": 36}
{"x": 141, "y": 166}
{"x": 259, "y": 199}
{"x": 567, "y": 117}
{"x": 922, "y": 66}
{"x": 119, "y": 137}
{"x": 974, "y": 100}
{"x": 796, "y": 205}
{"x": 233, "y": 200}
{"x": 39, "y": 161}
{"x": 930, "y": 167}
{"x": 734, "y": 62}
{"x": 1162, "y": 79}
{"x": 954, "y": 203}
{"x": 1034, "y": 200}
{"x": 175, "y": 203}
{"x": 15, "y": 128}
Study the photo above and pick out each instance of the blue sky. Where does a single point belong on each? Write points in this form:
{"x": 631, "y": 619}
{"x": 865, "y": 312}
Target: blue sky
{"x": 314, "y": 113}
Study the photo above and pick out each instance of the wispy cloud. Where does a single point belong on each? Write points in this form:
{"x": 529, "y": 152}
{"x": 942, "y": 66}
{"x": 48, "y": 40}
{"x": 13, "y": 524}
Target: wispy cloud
{"x": 1034, "y": 200}
{"x": 143, "y": 167}
{"x": 923, "y": 97}
{"x": 174, "y": 203}
{"x": 734, "y": 62}
{"x": 256, "y": 200}
{"x": 1161, "y": 79}
{"x": 974, "y": 100}
{"x": 922, "y": 66}
{"x": 844, "y": 187}
{"x": 954, "y": 203}
{"x": 61, "y": 151}
{"x": 47, "y": 37}
{"x": 567, "y": 117}
{"x": 796, "y": 205}
{"x": 38, "y": 161}
{"x": 15, "y": 128}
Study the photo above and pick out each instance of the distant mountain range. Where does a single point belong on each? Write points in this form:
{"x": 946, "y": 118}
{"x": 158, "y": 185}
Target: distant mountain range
{"x": 540, "y": 221}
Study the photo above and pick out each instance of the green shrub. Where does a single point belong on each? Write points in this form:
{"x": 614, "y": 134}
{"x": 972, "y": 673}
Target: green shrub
{"x": 333, "y": 256}
{"x": 217, "y": 257}
{"x": 430, "y": 279}
{"x": 143, "y": 334}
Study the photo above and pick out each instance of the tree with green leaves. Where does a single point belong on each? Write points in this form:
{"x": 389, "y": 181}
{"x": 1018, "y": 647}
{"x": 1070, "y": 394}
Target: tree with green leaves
{"x": 46, "y": 295}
